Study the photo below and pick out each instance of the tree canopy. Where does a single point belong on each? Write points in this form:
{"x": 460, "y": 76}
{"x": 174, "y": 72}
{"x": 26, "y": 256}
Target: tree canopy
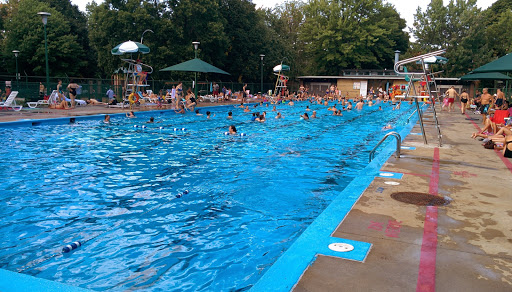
{"x": 320, "y": 37}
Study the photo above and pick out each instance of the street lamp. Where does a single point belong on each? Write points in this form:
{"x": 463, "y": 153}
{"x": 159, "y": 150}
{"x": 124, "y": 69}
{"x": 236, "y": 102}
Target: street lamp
{"x": 261, "y": 88}
{"x": 16, "y": 52}
{"x": 142, "y": 37}
{"x": 196, "y": 45}
{"x": 44, "y": 16}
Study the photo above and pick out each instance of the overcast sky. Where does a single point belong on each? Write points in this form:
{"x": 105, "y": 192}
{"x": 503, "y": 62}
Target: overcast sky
{"x": 406, "y": 11}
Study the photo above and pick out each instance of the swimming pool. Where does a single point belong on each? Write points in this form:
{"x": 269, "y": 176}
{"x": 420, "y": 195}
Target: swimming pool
{"x": 113, "y": 187}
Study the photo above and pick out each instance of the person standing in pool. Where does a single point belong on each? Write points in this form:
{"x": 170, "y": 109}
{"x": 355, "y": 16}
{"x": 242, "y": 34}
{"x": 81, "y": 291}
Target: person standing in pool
{"x": 179, "y": 94}
{"x": 232, "y": 130}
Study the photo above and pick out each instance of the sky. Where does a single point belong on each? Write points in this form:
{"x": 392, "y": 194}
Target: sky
{"x": 406, "y": 11}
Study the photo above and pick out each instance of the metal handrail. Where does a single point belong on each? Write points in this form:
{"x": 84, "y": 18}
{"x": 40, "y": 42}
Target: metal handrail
{"x": 414, "y": 59}
{"x": 398, "y": 144}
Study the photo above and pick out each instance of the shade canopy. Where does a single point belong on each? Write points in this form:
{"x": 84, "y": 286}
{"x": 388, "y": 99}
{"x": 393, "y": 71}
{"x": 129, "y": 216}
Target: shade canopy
{"x": 130, "y": 47}
{"x": 503, "y": 64}
{"x": 195, "y": 65}
{"x": 282, "y": 67}
{"x": 485, "y": 76}
{"x": 434, "y": 60}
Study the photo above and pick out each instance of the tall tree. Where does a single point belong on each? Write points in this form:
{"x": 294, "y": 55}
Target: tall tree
{"x": 24, "y": 32}
{"x": 351, "y": 34}
{"x": 457, "y": 27}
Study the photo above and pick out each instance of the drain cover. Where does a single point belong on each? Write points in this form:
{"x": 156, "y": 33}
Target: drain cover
{"x": 341, "y": 247}
{"x": 420, "y": 199}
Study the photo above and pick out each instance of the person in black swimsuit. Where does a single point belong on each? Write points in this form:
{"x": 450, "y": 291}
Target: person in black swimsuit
{"x": 72, "y": 86}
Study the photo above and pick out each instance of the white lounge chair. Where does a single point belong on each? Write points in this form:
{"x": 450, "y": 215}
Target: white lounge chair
{"x": 10, "y": 102}
{"x": 52, "y": 99}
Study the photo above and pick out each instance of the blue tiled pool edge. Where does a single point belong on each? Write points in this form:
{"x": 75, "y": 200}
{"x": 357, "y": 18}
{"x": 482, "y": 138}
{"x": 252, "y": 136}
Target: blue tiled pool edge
{"x": 289, "y": 267}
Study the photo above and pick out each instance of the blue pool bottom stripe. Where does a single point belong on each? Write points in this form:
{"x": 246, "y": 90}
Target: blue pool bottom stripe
{"x": 288, "y": 268}
{"x": 14, "y": 282}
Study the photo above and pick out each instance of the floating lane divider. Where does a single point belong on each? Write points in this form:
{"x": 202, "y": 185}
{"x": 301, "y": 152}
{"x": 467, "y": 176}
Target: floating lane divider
{"x": 76, "y": 244}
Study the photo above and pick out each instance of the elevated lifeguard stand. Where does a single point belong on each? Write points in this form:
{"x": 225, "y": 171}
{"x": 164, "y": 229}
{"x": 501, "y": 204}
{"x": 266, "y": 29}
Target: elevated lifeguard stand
{"x": 135, "y": 78}
{"x": 282, "y": 79}
{"x": 427, "y": 81}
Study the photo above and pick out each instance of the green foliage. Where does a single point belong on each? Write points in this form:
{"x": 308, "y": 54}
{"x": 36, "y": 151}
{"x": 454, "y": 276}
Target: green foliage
{"x": 24, "y": 32}
{"x": 459, "y": 28}
{"x": 361, "y": 34}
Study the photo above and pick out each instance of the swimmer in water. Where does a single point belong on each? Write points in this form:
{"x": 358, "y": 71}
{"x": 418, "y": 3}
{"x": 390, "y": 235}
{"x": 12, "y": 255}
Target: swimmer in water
{"x": 307, "y": 108}
{"x": 313, "y": 116}
{"x": 198, "y": 113}
{"x": 208, "y": 115}
{"x": 380, "y": 108}
{"x": 291, "y": 102}
{"x": 130, "y": 115}
{"x": 246, "y": 109}
{"x": 230, "y": 115}
{"x": 107, "y": 119}
{"x": 387, "y": 127}
{"x": 232, "y": 130}
{"x": 274, "y": 109}
{"x": 305, "y": 116}
{"x": 151, "y": 120}
{"x": 279, "y": 116}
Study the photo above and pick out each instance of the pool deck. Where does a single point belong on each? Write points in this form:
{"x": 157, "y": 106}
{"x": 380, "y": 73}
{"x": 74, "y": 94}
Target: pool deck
{"x": 463, "y": 246}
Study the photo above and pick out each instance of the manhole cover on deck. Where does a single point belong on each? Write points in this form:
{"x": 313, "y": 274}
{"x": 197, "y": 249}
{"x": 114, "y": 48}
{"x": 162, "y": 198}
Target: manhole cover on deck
{"x": 420, "y": 199}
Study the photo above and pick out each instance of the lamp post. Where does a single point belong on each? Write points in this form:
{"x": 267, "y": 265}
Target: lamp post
{"x": 261, "y": 88}
{"x": 16, "y": 52}
{"x": 44, "y": 16}
{"x": 196, "y": 45}
{"x": 142, "y": 37}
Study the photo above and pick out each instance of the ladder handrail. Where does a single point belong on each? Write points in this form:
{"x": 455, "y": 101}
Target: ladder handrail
{"x": 398, "y": 144}
{"x": 414, "y": 59}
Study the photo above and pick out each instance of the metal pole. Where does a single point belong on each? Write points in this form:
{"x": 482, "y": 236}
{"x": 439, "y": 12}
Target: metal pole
{"x": 261, "y": 86}
{"x": 46, "y": 58}
{"x": 196, "y": 45}
{"x": 16, "y": 52}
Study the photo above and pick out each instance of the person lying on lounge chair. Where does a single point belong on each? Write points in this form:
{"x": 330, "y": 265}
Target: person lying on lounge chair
{"x": 61, "y": 105}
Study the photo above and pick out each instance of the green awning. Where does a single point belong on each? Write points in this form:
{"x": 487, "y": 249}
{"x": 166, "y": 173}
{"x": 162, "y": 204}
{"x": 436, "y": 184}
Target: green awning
{"x": 195, "y": 65}
{"x": 503, "y": 64}
{"x": 485, "y": 76}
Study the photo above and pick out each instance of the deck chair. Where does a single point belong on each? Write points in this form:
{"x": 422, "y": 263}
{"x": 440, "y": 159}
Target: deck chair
{"x": 52, "y": 99}
{"x": 10, "y": 102}
{"x": 500, "y": 115}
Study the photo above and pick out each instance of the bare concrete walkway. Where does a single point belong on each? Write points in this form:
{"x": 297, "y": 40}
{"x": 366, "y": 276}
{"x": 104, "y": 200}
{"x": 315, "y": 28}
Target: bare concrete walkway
{"x": 463, "y": 246}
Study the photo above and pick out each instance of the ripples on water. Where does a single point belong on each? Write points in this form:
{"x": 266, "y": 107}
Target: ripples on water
{"x": 250, "y": 197}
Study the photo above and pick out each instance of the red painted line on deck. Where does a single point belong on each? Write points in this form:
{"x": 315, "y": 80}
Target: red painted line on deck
{"x": 427, "y": 268}
{"x": 505, "y": 160}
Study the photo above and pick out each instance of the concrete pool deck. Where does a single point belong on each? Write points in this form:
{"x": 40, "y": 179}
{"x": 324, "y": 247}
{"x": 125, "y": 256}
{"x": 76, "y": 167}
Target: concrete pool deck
{"x": 463, "y": 246}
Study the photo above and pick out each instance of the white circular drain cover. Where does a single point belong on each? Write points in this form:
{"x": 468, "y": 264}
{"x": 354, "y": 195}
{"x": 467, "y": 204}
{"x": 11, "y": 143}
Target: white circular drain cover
{"x": 392, "y": 183}
{"x": 386, "y": 174}
{"x": 341, "y": 247}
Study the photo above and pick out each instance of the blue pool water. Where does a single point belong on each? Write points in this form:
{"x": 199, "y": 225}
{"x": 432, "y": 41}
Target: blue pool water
{"x": 113, "y": 186}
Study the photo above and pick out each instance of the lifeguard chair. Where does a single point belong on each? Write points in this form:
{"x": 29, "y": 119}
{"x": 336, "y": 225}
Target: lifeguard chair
{"x": 282, "y": 79}
{"x": 135, "y": 78}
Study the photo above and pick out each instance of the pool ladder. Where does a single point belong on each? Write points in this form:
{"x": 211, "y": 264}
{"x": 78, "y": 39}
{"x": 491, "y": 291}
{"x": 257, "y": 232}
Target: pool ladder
{"x": 398, "y": 144}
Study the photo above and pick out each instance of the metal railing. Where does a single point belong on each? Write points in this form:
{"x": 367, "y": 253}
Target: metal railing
{"x": 398, "y": 144}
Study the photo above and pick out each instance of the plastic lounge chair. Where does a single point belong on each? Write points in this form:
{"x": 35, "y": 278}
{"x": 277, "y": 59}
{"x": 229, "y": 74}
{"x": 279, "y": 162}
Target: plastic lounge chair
{"x": 52, "y": 99}
{"x": 10, "y": 102}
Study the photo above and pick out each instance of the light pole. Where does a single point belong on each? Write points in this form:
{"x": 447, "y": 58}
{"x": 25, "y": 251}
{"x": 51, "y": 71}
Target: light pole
{"x": 196, "y": 45}
{"x": 261, "y": 88}
{"x": 44, "y": 16}
{"x": 16, "y": 52}
{"x": 142, "y": 37}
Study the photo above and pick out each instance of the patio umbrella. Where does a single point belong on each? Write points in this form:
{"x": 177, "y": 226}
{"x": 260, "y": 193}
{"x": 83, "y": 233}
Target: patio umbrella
{"x": 130, "y": 47}
{"x": 503, "y": 64}
{"x": 485, "y": 76}
{"x": 195, "y": 65}
{"x": 280, "y": 68}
